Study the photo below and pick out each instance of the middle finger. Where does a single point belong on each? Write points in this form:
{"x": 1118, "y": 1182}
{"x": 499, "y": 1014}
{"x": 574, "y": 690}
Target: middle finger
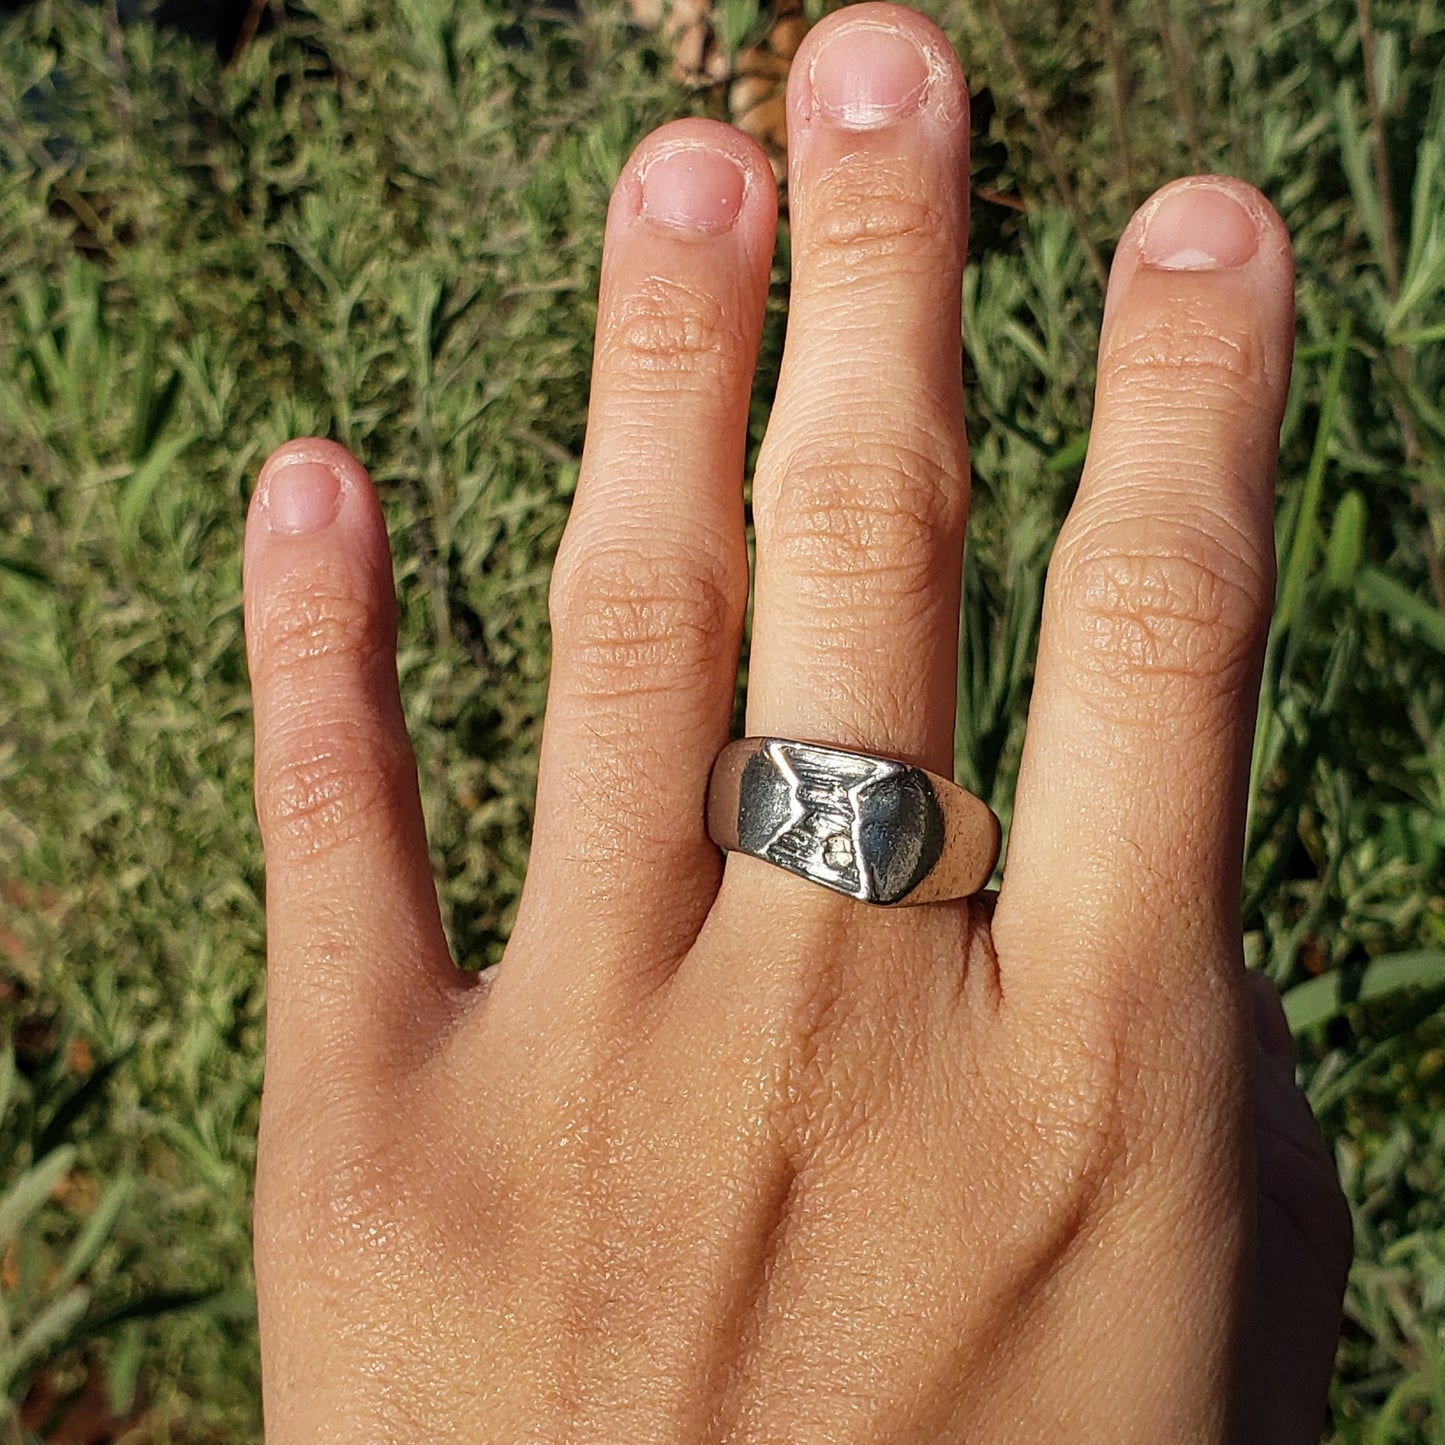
{"x": 861, "y": 492}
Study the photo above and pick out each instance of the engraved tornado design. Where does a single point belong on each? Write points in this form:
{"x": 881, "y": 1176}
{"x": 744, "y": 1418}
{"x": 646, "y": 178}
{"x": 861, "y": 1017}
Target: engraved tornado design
{"x": 865, "y": 826}
{"x": 821, "y": 836}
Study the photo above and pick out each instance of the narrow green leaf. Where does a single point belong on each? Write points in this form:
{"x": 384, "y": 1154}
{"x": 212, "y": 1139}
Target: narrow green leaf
{"x": 145, "y": 380}
{"x": 1070, "y": 455}
{"x": 7, "y": 1079}
{"x": 1419, "y": 336}
{"x": 225, "y": 1303}
{"x": 1387, "y": 68}
{"x": 1384, "y": 594}
{"x": 30, "y": 1191}
{"x": 141, "y": 487}
{"x": 1425, "y": 282}
{"x": 122, "y": 1369}
{"x": 50, "y": 1327}
{"x": 1308, "y": 1005}
{"x": 1306, "y": 525}
{"x": 1347, "y": 541}
{"x": 93, "y": 1237}
{"x": 160, "y": 406}
{"x": 1298, "y": 529}
{"x": 1426, "y": 209}
{"x": 73, "y": 1104}
{"x": 1355, "y": 158}
{"x": 735, "y": 20}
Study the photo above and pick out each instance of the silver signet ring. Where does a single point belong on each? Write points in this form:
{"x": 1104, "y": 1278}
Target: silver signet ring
{"x": 877, "y": 829}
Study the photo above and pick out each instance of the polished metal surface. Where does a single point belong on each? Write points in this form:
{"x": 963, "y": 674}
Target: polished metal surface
{"x": 872, "y": 827}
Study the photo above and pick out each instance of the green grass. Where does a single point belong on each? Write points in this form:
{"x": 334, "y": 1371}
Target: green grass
{"x": 382, "y": 224}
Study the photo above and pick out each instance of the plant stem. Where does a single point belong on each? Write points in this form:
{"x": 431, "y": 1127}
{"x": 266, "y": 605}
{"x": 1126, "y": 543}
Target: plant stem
{"x": 1120, "y": 88}
{"x": 250, "y": 23}
{"x": 1179, "y": 75}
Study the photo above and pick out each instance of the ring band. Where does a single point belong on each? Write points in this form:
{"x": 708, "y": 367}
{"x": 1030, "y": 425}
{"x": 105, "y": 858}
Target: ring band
{"x": 879, "y": 830}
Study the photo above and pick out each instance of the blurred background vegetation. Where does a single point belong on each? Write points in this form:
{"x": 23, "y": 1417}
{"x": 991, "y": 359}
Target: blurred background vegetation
{"x": 381, "y": 223}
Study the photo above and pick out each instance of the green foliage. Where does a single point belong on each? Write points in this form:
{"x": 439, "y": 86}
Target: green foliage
{"x": 379, "y": 231}
{"x": 1025, "y": 314}
{"x": 382, "y": 224}
{"x": 65, "y": 1269}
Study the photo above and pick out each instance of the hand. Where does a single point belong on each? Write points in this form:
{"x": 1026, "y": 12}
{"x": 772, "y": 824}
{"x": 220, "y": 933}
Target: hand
{"x": 717, "y": 1154}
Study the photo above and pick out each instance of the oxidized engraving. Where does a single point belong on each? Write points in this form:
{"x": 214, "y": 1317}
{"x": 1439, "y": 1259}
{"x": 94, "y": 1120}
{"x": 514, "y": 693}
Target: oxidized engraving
{"x": 868, "y": 827}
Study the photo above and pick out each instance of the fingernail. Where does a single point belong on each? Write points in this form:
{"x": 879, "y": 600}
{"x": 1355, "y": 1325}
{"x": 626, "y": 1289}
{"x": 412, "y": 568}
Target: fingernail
{"x": 302, "y": 498}
{"x": 1199, "y": 228}
{"x": 1271, "y": 1027}
{"x": 865, "y": 77}
{"x": 693, "y": 188}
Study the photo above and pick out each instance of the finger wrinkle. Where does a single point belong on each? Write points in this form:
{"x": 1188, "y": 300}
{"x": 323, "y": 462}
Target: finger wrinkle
{"x": 297, "y": 628}
{"x": 915, "y": 415}
{"x": 875, "y": 211}
{"x": 351, "y": 783}
{"x": 626, "y": 622}
{"x": 1171, "y": 480}
{"x": 667, "y": 326}
{"x": 1133, "y": 523}
{"x": 912, "y": 483}
{"x": 1163, "y": 555}
{"x": 628, "y": 514}
{"x": 1194, "y": 333}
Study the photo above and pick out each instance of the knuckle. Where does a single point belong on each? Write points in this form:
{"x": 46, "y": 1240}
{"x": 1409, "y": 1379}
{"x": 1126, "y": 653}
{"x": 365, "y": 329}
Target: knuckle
{"x": 321, "y": 786}
{"x": 629, "y": 620}
{"x": 851, "y": 523}
{"x": 666, "y": 329}
{"x": 874, "y": 209}
{"x": 1159, "y": 619}
{"x": 322, "y": 620}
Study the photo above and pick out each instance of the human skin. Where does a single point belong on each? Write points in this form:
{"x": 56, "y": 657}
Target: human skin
{"x": 715, "y": 1154}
